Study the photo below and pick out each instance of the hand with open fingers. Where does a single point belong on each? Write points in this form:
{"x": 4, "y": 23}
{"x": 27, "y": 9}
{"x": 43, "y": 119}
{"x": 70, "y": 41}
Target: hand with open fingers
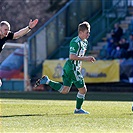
{"x": 33, "y": 23}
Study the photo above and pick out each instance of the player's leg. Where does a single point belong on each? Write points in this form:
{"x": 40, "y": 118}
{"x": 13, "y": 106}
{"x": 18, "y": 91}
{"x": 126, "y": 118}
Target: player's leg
{"x": 64, "y": 89}
{"x": 80, "y": 84}
{"x": 79, "y": 101}
{"x": 45, "y": 80}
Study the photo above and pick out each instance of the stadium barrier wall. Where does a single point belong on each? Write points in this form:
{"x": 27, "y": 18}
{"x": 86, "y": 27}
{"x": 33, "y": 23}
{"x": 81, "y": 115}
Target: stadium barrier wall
{"x": 100, "y": 76}
{"x": 98, "y": 72}
{"x": 12, "y": 85}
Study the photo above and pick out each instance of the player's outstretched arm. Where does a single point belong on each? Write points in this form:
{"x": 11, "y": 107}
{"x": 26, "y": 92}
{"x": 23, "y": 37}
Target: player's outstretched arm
{"x": 82, "y": 58}
{"x": 25, "y": 30}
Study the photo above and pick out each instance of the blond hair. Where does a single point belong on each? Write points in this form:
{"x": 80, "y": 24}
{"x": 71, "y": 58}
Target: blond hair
{"x": 83, "y": 26}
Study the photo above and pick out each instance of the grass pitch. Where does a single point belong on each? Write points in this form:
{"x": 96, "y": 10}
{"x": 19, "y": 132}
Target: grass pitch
{"x": 56, "y": 116}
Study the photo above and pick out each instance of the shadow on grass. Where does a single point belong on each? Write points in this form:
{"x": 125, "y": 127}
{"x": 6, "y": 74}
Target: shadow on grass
{"x": 29, "y": 115}
{"x": 128, "y": 114}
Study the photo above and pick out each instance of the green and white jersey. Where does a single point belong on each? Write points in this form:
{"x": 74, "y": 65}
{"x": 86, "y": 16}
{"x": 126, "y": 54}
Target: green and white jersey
{"x": 78, "y": 47}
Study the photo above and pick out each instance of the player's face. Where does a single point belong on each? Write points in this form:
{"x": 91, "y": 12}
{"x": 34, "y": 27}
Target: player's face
{"x": 85, "y": 34}
{"x": 4, "y": 30}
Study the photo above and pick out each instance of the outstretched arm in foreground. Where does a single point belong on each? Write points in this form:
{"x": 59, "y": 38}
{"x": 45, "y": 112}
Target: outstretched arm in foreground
{"x": 25, "y": 30}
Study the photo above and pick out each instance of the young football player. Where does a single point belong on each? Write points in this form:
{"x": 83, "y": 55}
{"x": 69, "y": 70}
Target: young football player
{"x": 72, "y": 68}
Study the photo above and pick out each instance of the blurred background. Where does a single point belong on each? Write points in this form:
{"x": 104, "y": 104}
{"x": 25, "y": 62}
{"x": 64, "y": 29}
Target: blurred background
{"x": 47, "y": 45}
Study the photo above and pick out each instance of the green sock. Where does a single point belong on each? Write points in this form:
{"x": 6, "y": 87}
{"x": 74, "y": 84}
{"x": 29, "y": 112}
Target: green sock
{"x": 55, "y": 85}
{"x": 79, "y": 102}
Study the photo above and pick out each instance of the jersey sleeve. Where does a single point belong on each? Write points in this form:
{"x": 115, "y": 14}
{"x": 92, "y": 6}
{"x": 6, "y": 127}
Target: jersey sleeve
{"x": 73, "y": 48}
{"x": 10, "y": 36}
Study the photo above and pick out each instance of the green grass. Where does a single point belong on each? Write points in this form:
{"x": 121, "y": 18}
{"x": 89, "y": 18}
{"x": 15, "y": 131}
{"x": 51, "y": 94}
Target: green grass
{"x": 56, "y": 116}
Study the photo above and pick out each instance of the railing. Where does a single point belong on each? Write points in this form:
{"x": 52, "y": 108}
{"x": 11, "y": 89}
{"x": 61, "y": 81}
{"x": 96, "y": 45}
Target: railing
{"x": 104, "y": 23}
{"x": 60, "y": 27}
{"x": 47, "y": 38}
{"x": 101, "y": 25}
{"x": 57, "y": 31}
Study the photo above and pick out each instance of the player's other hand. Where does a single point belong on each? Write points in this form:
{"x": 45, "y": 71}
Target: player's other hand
{"x": 90, "y": 59}
{"x": 33, "y": 23}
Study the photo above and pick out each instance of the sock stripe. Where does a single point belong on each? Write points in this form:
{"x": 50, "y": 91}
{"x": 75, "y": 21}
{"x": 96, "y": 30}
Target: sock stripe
{"x": 60, "y": 90}
{"x": 81, "y": 96}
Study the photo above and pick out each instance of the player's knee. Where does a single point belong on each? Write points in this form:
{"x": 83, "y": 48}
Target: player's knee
{"x": 65, "y": 90}
{"x": 83, "y": 90}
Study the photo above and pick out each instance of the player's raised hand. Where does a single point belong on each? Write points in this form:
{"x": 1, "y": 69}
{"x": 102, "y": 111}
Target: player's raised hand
{"x": 33, "y": 23}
